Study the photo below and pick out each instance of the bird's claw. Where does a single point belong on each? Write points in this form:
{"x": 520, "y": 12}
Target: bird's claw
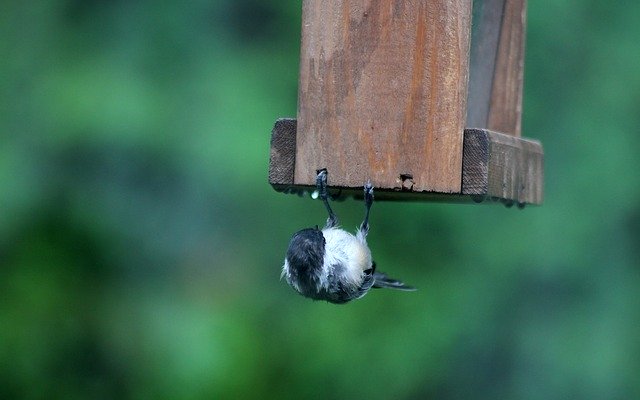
{"x": 321, "y": 183}
{"x": 368, "y": 193}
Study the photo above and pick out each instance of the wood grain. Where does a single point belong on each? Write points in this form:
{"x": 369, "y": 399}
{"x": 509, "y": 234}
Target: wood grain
{"x": 505, "y": 112}
{"x": 283, "y": 152}
{"x": 503, "y": 167}
{"x": 382, "y": 92}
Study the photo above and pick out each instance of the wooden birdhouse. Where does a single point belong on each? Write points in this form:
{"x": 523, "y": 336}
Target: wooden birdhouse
{"x": 421, "y": 97}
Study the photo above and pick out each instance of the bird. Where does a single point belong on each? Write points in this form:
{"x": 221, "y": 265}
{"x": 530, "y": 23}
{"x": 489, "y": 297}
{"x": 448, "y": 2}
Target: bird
{"x": 332, "y": 264}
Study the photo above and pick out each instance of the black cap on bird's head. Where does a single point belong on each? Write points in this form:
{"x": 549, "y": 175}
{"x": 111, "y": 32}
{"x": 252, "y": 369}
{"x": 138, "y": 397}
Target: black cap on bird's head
{"x": 306, "y": 253}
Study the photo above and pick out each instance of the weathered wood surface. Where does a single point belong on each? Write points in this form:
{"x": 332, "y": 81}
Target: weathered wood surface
{"x": 382, "y": 92}
{"x": 495, "y": 167}
{"x": 505, "y": 112}
{"x": 283, "y": 152}
{"x": 502, "y": 166}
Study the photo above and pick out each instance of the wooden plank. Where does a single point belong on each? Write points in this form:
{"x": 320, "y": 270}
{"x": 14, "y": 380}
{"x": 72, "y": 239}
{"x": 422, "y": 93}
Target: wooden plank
{"x": 503, "y": 167}
{"x": 485, "y": 35}
{"x": 283, "y": 152}
{"x": 382, "y": 92}
{"x": 496, "y": 166}
{"x": 505, "y": 111}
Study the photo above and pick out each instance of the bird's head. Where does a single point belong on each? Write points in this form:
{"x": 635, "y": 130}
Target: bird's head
{"x": 305, "y": 256}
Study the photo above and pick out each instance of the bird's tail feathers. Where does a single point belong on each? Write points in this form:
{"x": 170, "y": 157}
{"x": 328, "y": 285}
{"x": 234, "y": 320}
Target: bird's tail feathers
{"x": 381, "y": 280}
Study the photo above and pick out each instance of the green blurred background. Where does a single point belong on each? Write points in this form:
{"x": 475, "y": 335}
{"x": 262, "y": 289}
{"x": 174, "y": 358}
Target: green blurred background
{"x": 141, "y": 246}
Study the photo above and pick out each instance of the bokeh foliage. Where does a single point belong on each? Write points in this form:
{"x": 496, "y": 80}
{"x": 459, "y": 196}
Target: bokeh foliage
{"x": 140, "y": 244}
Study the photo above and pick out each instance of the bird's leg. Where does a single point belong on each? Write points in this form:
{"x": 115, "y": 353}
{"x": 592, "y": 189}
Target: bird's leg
{"x": 321, "y": 184}
{"x": 368, "y": 201}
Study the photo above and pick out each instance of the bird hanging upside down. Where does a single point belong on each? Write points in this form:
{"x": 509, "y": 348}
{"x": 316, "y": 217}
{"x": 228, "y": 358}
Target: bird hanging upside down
{"x": 332, "y": 264}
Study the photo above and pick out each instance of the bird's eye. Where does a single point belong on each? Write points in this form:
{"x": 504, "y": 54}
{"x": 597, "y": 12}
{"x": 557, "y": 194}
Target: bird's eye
{"x": 368, "y": 271}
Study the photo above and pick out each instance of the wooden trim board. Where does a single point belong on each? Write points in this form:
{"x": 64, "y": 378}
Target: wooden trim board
{"x": 495, "y": 166}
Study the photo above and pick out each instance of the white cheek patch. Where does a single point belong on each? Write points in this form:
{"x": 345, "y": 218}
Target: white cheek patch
{"x": 285, "y": 269}
{"x": 287, "y": 275}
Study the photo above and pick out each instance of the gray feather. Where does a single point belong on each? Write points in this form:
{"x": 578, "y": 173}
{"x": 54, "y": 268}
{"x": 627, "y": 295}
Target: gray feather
{"x": 381, "y": 280}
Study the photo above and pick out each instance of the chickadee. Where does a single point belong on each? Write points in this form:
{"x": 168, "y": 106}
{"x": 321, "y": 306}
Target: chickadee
{"x": 331, "y": 264}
